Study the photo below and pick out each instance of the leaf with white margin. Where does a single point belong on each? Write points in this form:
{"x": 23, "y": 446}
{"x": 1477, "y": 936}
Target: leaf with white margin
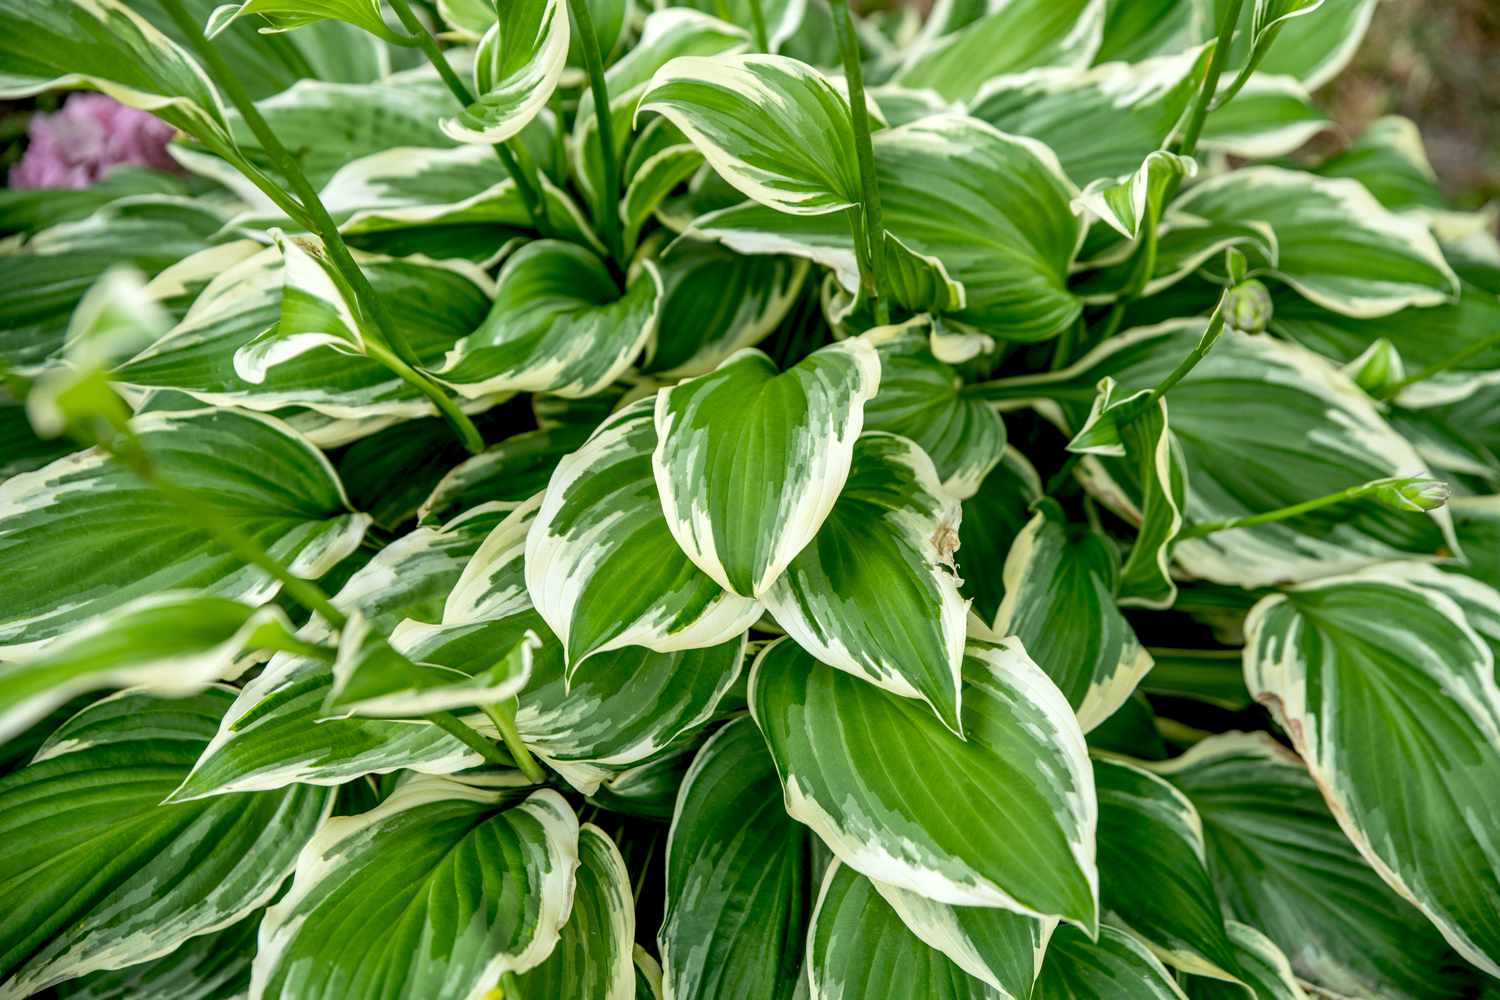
{"x": 516, "y": 68}
{"x": 1270, "y": 117}
{"x": 1263, "y": 967}
{"x": 272, "y": 735}
{"x": 1004, "y": 818}
{"x": 482, "y": 886}
{"x": 104, "y": 45}
{"x": 1259, "y": 424}
{"x": 1267, "y": 19}
{"x": 920, "y": 282}
{"x": 647, "y": 976}
{"x": 434, "y": 304}
{"x": 260, "y": 474}
{"x": 1142, "y": 29}
{"x": 805, "y": 166}
{"x": 318, "y": 309}
{"x": 172, "y": 644}
{"x": 1000, "y": 948}
{"x": 509, "y": 472}
{"x": 992, "y": 519}
{"x": 1281, "y": 863}
{"x": 857, "y": 947}
{"x": 993, "y": 208}
{"x": 1126, "y": 204}
{"x": 601, "y": 565}
{"x": 595, "y": 956}
{"x": 1162, "y": 472}
{"x": 1060, "y": 601}
{"x": 749, "y": 461}
{"x": 920, "y": 398}
{"x": 1115, "y": 967}
{"x": 288, "y": 15}
{"x": 372, "y": 678}
{"x": 1318, "y": 46}
{"x": 206, "y": 967}
{"x": 1101, "y": 122}
{"x": 739, "y": 876}
{"x": 1347, "y": 666}
{"x": 100, "y": 875}
{"x": 1389, "y": 159}
{"x": 783, "y": 18}
{"x": 1011, "y": 37}
{"x": 1340, "y": 248}
{"x": 716, "y": 302}
{"x": 1153, "y": 877}
{"x": 874, "y": 593}
{"x": 654, "y": 178}
{"x": 560, "y": 324}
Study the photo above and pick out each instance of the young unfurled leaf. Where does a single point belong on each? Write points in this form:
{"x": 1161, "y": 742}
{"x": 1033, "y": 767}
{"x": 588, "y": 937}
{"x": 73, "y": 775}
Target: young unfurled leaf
{"x": 1060, "y": 601}
{"x": 484, "y": 887}
{"x": 1317, "y": 42}
{"x": 1281, "y": 864}
{"x": 601, "y": 563}
{"x": 288, "y": 15}
{"x": 1267, "y": 19}
{"x": 749, "y": 461}
{"x": 262, "y": 476}
{"x": 804, "y": 166}
{"x": 874, "y": 592}
{"x": 99, "y": 874}
{"x": 559, "y": 324}
{"x": 516, "y": 68}
{"x": 1347, "y": 666}
{"x": 734, "y": 850}
{"x": 1004, "y": 817}
{"x": 1127, "y": 204}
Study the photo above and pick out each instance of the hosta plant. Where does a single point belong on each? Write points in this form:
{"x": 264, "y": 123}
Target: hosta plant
{"x": 582, "y": 499}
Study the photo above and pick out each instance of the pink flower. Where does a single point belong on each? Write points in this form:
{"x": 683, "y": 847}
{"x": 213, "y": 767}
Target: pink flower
{"x": 82, "y": 142}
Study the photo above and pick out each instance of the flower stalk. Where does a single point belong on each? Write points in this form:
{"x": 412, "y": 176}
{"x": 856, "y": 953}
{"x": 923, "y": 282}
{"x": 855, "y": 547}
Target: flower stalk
{"x": 593, "y": 64}
{"x": 872, "y": 232}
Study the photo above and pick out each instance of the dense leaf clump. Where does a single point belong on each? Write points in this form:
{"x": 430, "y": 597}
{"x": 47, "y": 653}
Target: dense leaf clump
{"x": 587, "y": 500}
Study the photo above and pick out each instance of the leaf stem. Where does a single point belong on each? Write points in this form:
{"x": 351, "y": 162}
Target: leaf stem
{"x": 450, "y": 724}
{"x": 1283, "y": 513}
{"x": 321, "y": 223}
{"x": 1205, "y": 344}
{"x": 503, "y": 715}
{"x": 1422, "y": 375}
{"x": 1216, "y": 63}
{"x": 593, "y": 62}
{"x": 467, "y": 433}
{"x": 864, "y": 149}
{"x": 758, "y": 26}
{"x": 419, "y": 33}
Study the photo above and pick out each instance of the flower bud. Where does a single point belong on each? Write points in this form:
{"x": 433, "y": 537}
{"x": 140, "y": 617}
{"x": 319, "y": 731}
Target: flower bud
{"x": 1413, "y": 493}
{"x": 1378, "y": 370}
{"x": 1248, "y": 308}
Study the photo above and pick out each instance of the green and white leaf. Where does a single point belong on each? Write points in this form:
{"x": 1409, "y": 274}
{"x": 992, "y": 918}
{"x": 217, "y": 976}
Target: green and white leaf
{"x": 172, "y": 644}
{"x": 749, "y": 461}
{"x": 263, "y": 477}
{"x": 205, "y": 967}
{"x": 318, "y": 309}
{"x": 288, "y": 15}
{"x": 1059, "y": 586}
{"x": 1003, "y": 818}
{"x": 1126, "y": 204}
{"x": 559, "y": 324}
{"x": 1117, "y": 966}
{"x": 509, "y": 472}
{"x": 601, "y": 565}
{"x": 1263, "y": 968}
{"x": 98, "y": 874}
{"x": 805, "y": 166}
{"x": 480, "y": 889}
{"x": 1348, "y": 666}
{"x": 516, "y": 68}
{"x": 992, "y": 520}
{"x": 739, "y": 876}
{"x": 1271, "y": 116}
{"x": 874, "y": 593}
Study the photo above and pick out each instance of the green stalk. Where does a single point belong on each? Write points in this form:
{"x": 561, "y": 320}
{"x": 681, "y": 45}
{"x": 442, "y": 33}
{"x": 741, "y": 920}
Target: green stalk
{"x": 510, "y": 986}
{"x": 450, "y": 724}
{"x": 1205, "y": 344}
{"x": 758, "y": 26}
{"x": 874, "y": 228}
{"x": 593, "y": 62}
{"x": 322, "y": 224}
{"x": 1216, "y": 63}
{"x": 1472, "y": 351}
{"x": 467, "y": 433}
{"x": 1281, "y": 514}
{"x": 503, "y": 715}
{"x": 419, "y": 33}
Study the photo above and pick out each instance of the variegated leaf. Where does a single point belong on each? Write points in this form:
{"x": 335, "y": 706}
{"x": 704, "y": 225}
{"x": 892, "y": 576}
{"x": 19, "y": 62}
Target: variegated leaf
{"x": 1127, "y": 204}
{"x": 749, "y": 461}
{"x": 1348, "y": 665}
{"x": 601, "y": 564}
{"x": 559, "y": 324}
{"x": 992, "y": 520}
{"x": 263, "y": 477}
{"x": 1004, "y": 818}
{"x": 483, "y": 887}
{"x": 99, "y": 875}
{"x": 516, "y": 68}
{"x": 1060, "y": 585}
{"x": 1116, "y": 966}
{"x": 1270, "y": 116}
{"x": 205, "y": 967}
{"x": 318, "y": 309}
{"x": 510, "y": 472}
{"x": 874, "y": 593}
{"x": 1263, "y": 969}
{"x": 288, "y": 15}
{"x": 733, "y": 850}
